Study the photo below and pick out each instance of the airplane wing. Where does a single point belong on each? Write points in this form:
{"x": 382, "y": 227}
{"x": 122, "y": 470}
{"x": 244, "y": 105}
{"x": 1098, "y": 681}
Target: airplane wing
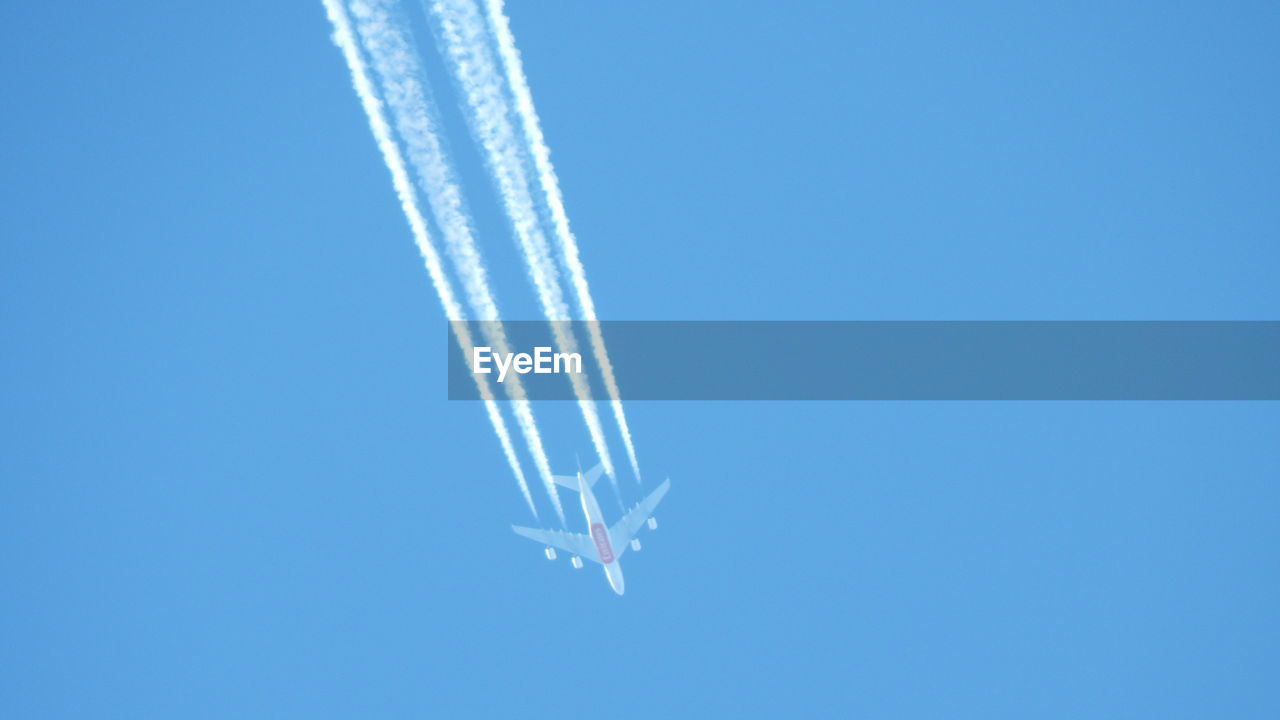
{"x": 626, "y": 528}
{"x": 574, "y": 543}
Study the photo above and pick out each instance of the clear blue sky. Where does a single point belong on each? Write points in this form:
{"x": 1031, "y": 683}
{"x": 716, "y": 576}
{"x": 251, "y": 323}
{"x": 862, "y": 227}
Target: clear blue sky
{"x": 230, "y": 484}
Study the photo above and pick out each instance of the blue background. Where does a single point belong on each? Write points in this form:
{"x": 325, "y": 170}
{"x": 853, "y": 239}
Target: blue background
{"x": 231, "y": 486}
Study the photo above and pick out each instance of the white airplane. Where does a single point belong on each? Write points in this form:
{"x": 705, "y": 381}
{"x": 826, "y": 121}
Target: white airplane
{"x": 605, "y": 544}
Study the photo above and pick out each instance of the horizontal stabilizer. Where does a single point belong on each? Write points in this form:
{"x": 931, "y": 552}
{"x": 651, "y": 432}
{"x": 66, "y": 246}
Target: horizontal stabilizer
{"x": 571, "y": 481}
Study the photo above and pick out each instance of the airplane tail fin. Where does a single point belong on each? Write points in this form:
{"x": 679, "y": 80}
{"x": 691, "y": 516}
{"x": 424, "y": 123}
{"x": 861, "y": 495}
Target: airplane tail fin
{"x": 571, "y": 481}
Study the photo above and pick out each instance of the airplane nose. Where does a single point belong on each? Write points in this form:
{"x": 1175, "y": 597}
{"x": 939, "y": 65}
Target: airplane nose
{"x": 614, "y": 573}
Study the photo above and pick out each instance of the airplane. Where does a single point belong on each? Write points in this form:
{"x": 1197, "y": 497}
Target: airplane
{"x": 604, "y": 545}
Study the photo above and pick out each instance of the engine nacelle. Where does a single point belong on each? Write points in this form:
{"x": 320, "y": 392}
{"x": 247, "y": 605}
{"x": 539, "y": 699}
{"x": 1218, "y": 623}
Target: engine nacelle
{"x": 653, "y": 523}
{"x": 635, "y": 544}
{"x": 576, "y": 562}
{"x": 551, "y": 553}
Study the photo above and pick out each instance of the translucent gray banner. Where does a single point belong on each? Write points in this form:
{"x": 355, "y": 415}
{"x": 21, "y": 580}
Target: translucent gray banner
{"x": 918, "y": 360}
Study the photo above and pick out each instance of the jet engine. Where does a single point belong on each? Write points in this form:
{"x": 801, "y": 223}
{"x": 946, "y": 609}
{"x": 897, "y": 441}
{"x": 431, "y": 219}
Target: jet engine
{"x": 551, "y": 553}
{"x": 576, "y": 562}
{"x": 653, "y": 523}
{"x": 635, "y": 544}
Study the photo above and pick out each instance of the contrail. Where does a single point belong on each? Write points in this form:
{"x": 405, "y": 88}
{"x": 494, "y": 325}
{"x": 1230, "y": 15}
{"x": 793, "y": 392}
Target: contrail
{"x": 464, "y": 41}
{"x": 403, "y": 83}
{"x": 541, "y": 153}
{"x": 346, "y": 42}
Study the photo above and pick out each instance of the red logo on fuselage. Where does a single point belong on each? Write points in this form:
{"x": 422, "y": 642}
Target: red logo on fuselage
{"x": 601, "y": 535}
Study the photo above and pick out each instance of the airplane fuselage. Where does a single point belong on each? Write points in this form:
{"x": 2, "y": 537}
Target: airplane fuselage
{"x": 601, "y": 542}
{"x": 599, "y": 533}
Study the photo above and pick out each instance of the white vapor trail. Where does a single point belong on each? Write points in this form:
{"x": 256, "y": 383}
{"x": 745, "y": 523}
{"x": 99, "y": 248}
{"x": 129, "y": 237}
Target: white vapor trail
{"x": 541, "y": 154}
{"x": 464, "y": 41}
{"x": 403, "y": 82}
{"x": 344, "y": 38}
